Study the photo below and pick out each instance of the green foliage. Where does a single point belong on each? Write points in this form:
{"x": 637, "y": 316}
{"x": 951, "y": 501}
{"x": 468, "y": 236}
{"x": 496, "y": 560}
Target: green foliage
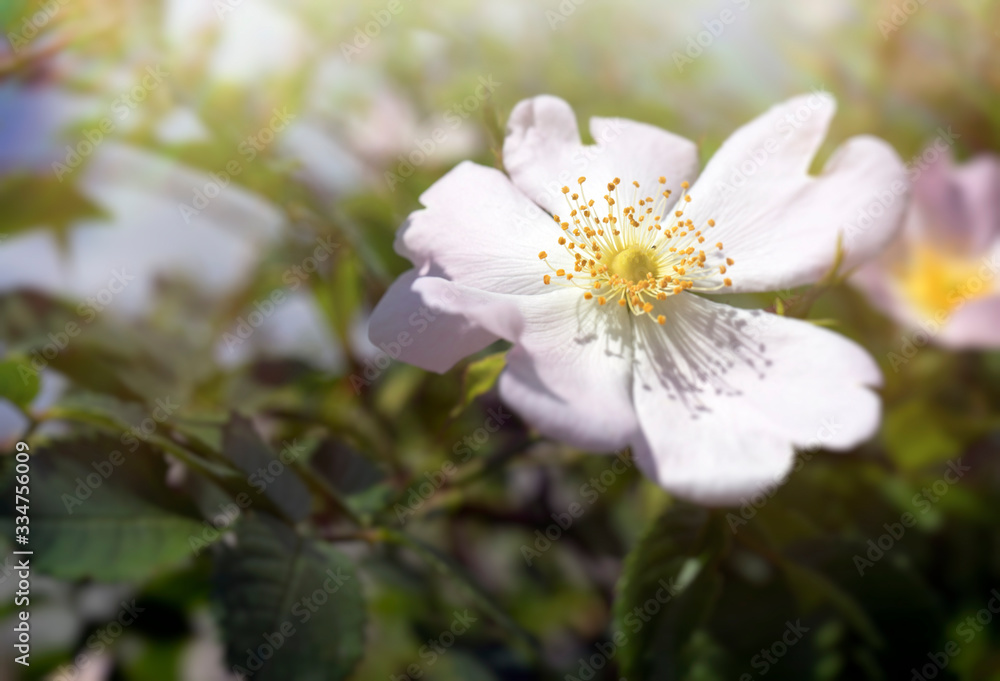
{"x": 100, "y": 510}
{"x": 479, "y": 378}
{"x": 669, "y": 585}
{"x": 42, "y": 200}
{"x": 292, "y": 607}
{"x": 19, "y": 383}
{"x": 243, "y": 447}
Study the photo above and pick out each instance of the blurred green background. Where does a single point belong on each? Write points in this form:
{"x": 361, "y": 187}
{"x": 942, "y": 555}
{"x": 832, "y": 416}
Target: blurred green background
{"x": 199, "y": 199}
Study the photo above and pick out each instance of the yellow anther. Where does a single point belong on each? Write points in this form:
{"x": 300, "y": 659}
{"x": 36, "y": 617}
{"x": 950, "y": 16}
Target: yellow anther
{"x": 565, "y": 190}
{"x": 663, "y": 180}
{"x": 543, "y": 255}
{"x": 661, "y": 320}
{"x": 547, "y": 279}
{"x": 685, "y": 184}
{"x": 727, "y": 281}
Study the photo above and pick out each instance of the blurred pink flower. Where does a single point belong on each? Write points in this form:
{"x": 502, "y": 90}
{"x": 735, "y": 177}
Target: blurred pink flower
{"x": 940, "y": 275}
{"x": 611, "y": 346}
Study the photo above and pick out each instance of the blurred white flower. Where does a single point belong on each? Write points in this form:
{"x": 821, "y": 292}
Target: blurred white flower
{"x": 255, "y": 38}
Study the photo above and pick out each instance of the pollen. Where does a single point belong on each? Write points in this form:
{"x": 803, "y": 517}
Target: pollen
{"x": 633, "y": 249}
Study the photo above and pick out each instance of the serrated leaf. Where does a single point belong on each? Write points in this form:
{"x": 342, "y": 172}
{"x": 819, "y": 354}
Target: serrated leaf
{"x": 291, "y": 607}
{"x": 674, "y": 565}
{"x": 480, "y": 377}
{"x": 103, "y": 512}
{"x": 19, "y": 382}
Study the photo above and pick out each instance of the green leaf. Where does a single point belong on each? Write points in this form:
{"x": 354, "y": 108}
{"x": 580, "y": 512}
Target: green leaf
{"x": 813, "y": 589}
{"x": 42, "y": 200}
{"x": 19, "y": 382}
{"x": 267, "y": 473}
{"x": 480, "y": 376}
{"x": 101, "y": 511}
{"x": 668, "y": 587}
{"x": 291, "y": 607}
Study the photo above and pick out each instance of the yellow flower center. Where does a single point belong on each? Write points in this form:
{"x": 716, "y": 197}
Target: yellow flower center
{"x": 938, "y": 283}
{"x": 636, "y": 253}
{"x": 633, "y": 264}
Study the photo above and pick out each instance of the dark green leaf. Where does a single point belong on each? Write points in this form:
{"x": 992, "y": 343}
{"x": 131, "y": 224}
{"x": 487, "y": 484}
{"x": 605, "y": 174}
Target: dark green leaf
{"x": 668, "y": 587}
{"x": 291, "y": 607}
{"x": 100, "y": 510}
{"x": 267, "y": 473}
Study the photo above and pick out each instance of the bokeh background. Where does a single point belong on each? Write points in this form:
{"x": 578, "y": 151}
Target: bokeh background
{"x": 197, "y": 205}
